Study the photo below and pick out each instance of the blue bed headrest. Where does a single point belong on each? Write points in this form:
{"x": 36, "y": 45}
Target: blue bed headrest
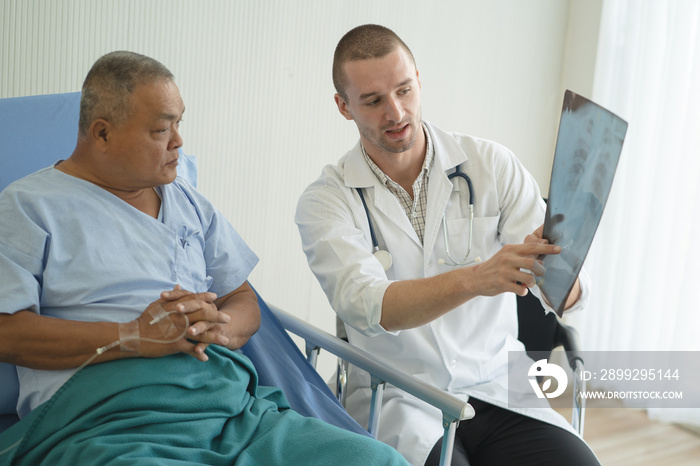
{"x": 38, "y": 130}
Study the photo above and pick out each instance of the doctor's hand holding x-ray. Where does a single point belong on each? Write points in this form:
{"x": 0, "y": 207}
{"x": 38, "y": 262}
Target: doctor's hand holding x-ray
{"x": 411, "y": 303}
{"x": 395, "y": 195}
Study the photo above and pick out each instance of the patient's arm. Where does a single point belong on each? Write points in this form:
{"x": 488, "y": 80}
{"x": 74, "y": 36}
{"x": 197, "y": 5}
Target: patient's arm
{"x": 242, "y": 305}
{"x": 40, "y": 342}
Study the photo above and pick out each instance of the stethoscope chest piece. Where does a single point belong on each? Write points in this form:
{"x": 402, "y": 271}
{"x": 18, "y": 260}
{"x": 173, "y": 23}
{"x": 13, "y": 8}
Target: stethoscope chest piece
{"x": 384, "y": 258}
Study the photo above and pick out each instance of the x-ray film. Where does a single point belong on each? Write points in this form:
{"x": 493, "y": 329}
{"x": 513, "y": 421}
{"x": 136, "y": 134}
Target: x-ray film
{"x": 585, "y": 159}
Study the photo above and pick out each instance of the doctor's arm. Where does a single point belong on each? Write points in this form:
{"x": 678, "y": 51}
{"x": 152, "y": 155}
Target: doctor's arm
{"x": 412, "y": 303}
{"x": 353, "y": 280}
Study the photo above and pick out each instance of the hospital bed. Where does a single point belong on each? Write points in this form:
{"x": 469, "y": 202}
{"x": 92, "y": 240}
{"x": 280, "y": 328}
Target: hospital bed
{"x": 36, "y": 130}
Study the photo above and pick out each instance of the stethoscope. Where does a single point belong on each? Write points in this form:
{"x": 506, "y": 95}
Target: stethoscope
{"x": 384, "y": 256}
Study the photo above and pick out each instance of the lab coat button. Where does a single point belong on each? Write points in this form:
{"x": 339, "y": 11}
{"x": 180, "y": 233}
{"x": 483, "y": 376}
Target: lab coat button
{"x": 453, "y": 363}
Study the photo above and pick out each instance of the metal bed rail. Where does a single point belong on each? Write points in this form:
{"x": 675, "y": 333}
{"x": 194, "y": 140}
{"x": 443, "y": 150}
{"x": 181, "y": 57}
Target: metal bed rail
{"x": 453, "y": 409}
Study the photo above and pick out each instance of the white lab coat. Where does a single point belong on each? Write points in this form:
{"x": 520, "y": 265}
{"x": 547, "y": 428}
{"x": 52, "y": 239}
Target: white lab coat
{"x": 464, "y": 352}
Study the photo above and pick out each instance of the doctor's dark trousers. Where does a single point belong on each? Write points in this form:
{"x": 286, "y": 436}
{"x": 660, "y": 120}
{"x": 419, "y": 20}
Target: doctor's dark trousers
{"x": 496, "y": 436}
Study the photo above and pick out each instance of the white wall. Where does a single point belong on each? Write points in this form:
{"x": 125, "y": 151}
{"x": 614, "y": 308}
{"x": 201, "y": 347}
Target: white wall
{"x": 255, "y": 77}
{"x": 581, "y": 46}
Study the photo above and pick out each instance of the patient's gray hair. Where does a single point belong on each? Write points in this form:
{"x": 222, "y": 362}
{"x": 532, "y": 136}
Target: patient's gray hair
{"x": 362, "y": 43}
{"x": 110, "y": 82}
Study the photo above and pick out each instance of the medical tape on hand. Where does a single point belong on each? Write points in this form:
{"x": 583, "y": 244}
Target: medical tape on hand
{"x": 129, "y": 337}
{"x": 159, "y": 317}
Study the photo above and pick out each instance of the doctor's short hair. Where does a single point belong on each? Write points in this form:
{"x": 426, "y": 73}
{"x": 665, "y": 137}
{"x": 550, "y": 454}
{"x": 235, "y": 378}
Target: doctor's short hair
{"x": 362, "y": 43}
{"x": 110, "y": 82}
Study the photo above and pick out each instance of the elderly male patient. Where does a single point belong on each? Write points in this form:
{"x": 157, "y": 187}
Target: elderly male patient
{"x": 108, "y": 258}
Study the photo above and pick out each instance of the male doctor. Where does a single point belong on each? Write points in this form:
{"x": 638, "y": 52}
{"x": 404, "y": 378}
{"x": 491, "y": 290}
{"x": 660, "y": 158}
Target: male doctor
{"x": 451, "y": 325}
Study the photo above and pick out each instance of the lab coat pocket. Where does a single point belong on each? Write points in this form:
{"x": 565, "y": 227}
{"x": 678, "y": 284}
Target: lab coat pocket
{"x": 486, "y": 224}
{"x": 484, "y": 236}
{"x": 482, "y": 225}
{"x": 497, "y": 365}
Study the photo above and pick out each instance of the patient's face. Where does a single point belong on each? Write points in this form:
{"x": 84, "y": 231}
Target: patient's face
{"x": 143, "y": 151}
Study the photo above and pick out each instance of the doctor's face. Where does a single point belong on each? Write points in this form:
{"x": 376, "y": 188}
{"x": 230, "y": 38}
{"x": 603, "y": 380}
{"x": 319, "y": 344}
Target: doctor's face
{"x": 383, "y": 98}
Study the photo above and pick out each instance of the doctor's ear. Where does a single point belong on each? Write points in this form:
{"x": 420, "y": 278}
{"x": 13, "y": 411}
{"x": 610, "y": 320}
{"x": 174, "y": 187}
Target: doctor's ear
{"x": 342, "y": 107}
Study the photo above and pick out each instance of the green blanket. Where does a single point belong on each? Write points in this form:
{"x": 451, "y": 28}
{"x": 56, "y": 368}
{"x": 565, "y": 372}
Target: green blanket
{"x": 177, "y": 410}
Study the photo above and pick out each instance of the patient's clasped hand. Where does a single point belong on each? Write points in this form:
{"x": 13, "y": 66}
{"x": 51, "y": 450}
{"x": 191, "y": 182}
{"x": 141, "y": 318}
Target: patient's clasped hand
{"x": 110, "y": 249}
{"x": 130, "y": 336}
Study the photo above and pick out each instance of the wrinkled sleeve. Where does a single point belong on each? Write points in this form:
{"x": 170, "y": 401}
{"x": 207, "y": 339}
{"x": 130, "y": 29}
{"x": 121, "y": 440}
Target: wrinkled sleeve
{"x": 340, "y": 256}
{"x": 22, "y": 245}
{"x": 229, "y": 260}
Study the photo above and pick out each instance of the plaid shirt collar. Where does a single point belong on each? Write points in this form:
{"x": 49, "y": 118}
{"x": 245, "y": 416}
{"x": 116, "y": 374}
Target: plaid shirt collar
{"x": 427, "y": 162}
{"x": 415, "y": 208}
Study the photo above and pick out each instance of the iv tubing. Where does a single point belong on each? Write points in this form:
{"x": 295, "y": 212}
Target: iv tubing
{"x": 132, "y": 338}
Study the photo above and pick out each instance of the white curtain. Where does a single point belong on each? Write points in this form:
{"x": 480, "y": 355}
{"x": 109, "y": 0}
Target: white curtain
{"x": 645, "y": 258}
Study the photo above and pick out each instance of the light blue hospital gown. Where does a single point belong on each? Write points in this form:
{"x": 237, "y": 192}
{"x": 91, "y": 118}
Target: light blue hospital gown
{"x": 73, "y": 250}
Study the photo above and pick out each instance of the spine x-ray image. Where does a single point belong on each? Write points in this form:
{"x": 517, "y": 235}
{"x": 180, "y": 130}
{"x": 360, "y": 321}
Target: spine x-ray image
{"x": 585, "y": 159}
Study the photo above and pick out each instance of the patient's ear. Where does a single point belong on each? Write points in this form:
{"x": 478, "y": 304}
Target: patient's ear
{"x": 99, "y": 133}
